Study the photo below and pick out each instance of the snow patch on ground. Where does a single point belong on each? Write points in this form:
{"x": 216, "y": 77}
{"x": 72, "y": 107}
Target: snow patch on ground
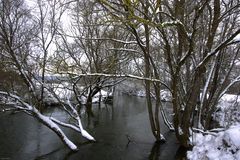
{"x": 228, "y": 110}
{"x": 165, "y": 95}
{"x": 224, "y": 146}
{"x": 230, "y": 98}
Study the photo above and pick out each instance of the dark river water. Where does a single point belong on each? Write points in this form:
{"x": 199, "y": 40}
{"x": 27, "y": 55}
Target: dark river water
{"x": 24, "y": 138}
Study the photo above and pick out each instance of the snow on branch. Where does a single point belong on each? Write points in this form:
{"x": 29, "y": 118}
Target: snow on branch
{"x": 165, "y": 118}
{"x": 225, "y": 43}
{"x": 45, "y": 120}
{"x": 237, "y": 79}
{"x": 26, "y": 105}
{"x": 54, "y": 127}
{"x": 171, "y": 23}
{"x": 124, "y": 49}
{"x": 102, "y": 39}
{"x": 204, "y": 132}
{"x": 77, "y": 129}
{"x": 81, "y": 130}
{"x": 71, "y": 111}
{"x": 112, "y": 39}
{"x": 114, "y": 76}
{"x": 230, "y": 41}
{"x": 66, "y": 125}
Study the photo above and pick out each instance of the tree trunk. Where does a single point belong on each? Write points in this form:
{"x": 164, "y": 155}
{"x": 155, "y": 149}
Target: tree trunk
{"x": 154, "y": 122}
{"x": 89, "y": 106}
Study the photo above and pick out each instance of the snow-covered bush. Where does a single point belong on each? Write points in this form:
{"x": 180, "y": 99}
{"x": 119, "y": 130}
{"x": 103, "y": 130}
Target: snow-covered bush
{"x": 95, "y": 98}
{"x": 141, "y": 93}
{"x": 224, "y": 146}
{"x": 166, "y": 95}
{"x": 228, "y": 112}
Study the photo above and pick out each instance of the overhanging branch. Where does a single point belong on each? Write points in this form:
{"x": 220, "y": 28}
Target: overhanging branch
{"x": 116, "y": 76}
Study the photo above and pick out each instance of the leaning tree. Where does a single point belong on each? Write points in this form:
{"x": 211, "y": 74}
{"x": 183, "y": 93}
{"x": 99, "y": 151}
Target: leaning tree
{"x": 20, "y": 45}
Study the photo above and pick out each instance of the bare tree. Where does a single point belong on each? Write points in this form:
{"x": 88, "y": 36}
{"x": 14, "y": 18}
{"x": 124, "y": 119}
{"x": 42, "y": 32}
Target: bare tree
{"x": 136, "y": 17}
{"x": 196, "y": 60}
{"x": 87, "y": 52}
{"x": 17, "y": 32}
{"x": 187, "y": 47}
{"x": 195, "y": 41}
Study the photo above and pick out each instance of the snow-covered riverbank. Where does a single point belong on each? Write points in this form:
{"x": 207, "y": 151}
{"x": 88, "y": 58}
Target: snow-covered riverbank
{"x": 224, "y": 145}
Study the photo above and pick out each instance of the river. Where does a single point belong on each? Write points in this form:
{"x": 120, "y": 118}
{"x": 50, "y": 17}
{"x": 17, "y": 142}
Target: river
{"x": 24, "y": 138}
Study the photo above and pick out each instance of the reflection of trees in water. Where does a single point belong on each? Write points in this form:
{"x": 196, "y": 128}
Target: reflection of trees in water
{"x": 48, "y": 154}
{"x": 62, "y": 152}
{"x": 155, "y": 151}
{"x": 181, "y": 153}
{"x": 105, "y": 111}
{"x": 168, "y": 150}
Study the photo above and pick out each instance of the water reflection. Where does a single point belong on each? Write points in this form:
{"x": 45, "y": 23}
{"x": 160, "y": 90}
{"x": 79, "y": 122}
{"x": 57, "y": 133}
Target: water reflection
{"x": 155, "y": 151}
{"x": 158, "y": 149}
{"x": 44, "y": 156}
{"x": 181, "y": 153}
{"x": 22, "y": 137}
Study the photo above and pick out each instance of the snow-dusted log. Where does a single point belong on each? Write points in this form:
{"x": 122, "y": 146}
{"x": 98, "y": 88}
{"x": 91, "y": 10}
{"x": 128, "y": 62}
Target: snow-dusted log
{"x": 31, "y": 110}
{"x": 75, "y": 128}
{"x": 70, "y": 109}
{"x": 54, "y": 127}
{"x": 82, "y": 131}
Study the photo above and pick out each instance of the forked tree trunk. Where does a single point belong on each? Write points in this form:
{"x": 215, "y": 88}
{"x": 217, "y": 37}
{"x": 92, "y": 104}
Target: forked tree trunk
{"x": 55, "y": 128}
